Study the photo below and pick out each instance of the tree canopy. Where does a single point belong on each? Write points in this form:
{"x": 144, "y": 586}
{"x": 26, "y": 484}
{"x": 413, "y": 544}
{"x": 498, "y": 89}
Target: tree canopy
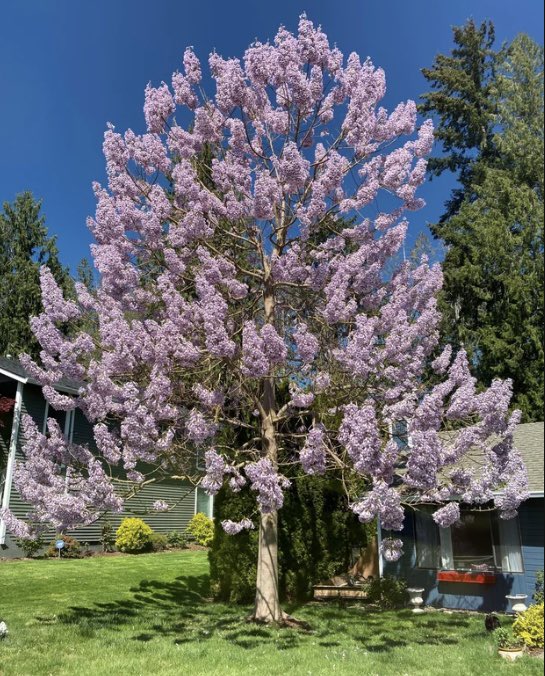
{"x": 246, "y": 299}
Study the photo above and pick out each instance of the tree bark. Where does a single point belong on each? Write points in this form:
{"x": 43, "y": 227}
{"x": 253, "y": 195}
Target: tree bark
{"x": 267, "y": 600}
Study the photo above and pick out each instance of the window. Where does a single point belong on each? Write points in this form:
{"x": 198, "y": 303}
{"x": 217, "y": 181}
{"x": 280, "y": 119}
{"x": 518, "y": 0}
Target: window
{"x": 480, "y": 541}
{"x": 204, "y": 503}
{"x": 65, "y": 420}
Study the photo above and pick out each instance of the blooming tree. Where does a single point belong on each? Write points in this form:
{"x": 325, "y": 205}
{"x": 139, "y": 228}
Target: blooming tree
{"x": 236, "y": 252}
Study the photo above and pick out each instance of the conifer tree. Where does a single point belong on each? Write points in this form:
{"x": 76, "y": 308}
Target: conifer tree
{"x": 24, "y": 248}
{"x": 492, "y": 299}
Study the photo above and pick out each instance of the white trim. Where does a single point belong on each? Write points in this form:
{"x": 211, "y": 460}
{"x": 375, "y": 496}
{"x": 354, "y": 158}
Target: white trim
{"x": 11, "y": 457}
{"x": 11, "y": 375}
{"x": 379, "y": 543}
{"x": 46, "y": 413}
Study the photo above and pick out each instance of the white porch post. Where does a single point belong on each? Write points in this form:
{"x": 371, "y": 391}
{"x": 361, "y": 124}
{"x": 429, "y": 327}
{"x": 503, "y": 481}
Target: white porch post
{"x": 11, "y": 457}
{"x": 379, "y": 542}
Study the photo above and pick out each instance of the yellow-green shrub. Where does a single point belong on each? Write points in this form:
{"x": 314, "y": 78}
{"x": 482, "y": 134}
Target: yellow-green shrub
{"x": 133, "y": 536}
{"x": 529, "y": 626}
{"x": 201, "y": 528}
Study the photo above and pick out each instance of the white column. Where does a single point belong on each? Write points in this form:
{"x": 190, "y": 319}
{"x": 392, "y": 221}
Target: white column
{"x": 11, "y": 457}
{"x": 379, "y": 542}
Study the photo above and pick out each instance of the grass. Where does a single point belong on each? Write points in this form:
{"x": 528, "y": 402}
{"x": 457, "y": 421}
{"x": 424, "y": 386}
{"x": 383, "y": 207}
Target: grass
{"x": 152, "y": 614}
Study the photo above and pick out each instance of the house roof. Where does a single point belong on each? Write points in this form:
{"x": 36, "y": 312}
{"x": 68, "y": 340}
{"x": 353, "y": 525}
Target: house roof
{"x": 13, "y": 369}
{"x": 529, "y": 441}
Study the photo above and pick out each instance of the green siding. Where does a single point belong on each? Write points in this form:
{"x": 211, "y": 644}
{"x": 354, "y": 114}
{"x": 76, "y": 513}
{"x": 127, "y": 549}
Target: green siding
{"x": 179, "y": 495}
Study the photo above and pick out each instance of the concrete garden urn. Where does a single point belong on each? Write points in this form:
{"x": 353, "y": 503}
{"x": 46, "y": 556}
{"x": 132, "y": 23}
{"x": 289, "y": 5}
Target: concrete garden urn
{"x": 511, "y": 654}
{"x": 416, "y": 599}
{"x": 517, "y": 603}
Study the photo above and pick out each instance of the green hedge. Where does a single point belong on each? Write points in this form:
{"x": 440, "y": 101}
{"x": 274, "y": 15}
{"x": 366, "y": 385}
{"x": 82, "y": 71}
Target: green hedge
{"x": 316, "y": 538}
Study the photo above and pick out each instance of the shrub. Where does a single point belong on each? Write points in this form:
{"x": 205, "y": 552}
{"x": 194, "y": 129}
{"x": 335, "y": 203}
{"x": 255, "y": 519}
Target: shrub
{"x": 388, "y": 592}
{"x": 506, "y": 639}
{"x": 71, "y": 549}
{"x": 176, "y": 540}
{"x": 159, "y": 542}
{"x": 317, "y": 533}
{"x": 538, "y": 593}
{"x": 30, "y": 547}
{"x": 133, "y": 536}
{"x": 107, "y": 537}
{"x": 201, "y": 528}
{"x": 529, "y": 626}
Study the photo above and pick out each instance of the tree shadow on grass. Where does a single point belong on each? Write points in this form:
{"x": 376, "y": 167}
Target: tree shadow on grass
{"x": 182, "y": 611}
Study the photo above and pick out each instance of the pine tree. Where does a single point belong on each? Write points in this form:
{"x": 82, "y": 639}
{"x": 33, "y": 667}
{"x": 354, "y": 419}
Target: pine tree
{"x": 24, "y": 248}
{"x": 493, "y": 228}
{"x": 461, "y": 98}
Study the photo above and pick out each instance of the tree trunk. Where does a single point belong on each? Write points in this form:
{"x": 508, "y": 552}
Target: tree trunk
{"x": 267, "y": 601}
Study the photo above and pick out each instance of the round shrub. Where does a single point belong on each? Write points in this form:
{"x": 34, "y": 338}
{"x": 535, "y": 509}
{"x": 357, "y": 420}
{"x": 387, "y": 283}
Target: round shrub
{"x": 159, "y": 542}
{"x": 529, "y": 626}
{"x": 176, "y": 540}
{"x": 30, "y": 547}
{"x": 133, "y": 536}
{"x": 201, "y": 528}
{"x": 71, "y": 549}
{"x": 388, "y": 592}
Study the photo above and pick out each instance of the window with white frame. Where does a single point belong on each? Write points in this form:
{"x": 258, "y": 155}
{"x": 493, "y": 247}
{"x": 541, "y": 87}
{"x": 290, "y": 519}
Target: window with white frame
{"x": 64, "y": 419}
{"x": 204, "y": 503}
{"x": 480, "y": 541}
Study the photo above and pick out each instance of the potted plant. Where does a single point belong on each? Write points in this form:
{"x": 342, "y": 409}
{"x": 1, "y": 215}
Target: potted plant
{"x": 510, "y": 647}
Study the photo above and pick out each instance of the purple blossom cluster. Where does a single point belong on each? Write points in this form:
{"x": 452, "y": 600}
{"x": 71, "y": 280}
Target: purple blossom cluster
{"x": 448, "y": 515}
{"x": 268, "y": 484}
{"x": 313, "y": 454}
{"x": 391, "y": 549}
{"x": 235, "y": 527}
{"x": 382, "y": 502}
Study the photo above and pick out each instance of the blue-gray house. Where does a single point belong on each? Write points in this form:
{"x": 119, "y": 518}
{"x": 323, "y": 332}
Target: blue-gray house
{"x": 477, "y": 562}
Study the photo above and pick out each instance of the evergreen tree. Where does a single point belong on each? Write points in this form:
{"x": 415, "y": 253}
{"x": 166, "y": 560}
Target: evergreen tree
{"x": 24, "y": 248}
{"x": 493, "y": 228}
{"x": 461, "y": 98}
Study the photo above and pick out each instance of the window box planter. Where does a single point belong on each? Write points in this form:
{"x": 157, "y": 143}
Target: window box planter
{"x": 466, "y": 577}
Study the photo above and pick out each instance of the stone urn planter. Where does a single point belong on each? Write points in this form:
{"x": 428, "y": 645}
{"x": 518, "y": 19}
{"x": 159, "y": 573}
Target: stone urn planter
{"x": 416, "y": 599}
{"x": 510, "y": 647}
{"x": 511, "y": 654}
{"x": 517, "y": 603}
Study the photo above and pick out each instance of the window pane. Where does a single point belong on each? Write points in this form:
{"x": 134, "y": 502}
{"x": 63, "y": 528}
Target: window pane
{"x": 509, "y": 546}
{"x": 427, "y": 540}
{"x": 203, "y": 502}
{"x": 58, "y": 416}
{"x": 472, "y": 546}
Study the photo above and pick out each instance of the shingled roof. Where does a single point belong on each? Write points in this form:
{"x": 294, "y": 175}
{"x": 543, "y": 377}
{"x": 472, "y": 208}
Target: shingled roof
{"x": 13, "y": 368}
{"x": 529, "y": 441}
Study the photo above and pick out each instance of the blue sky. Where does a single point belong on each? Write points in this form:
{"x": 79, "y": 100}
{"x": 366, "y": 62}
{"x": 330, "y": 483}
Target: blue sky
{"x": 67, "y": 67}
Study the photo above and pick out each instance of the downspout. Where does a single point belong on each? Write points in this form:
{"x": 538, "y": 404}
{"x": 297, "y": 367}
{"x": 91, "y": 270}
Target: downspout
{"x": 11, "y": 457}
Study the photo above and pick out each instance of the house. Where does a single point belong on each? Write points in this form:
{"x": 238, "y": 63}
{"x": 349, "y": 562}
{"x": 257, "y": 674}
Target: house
{"x": 17, "y": 385}
{"x": 476, "y": 563}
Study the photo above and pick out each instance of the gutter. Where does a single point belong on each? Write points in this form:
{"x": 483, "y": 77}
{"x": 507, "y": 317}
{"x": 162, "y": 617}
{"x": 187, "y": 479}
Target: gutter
{"x": 11, "y": 456}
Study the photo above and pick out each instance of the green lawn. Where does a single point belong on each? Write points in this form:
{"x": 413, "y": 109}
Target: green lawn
{"x": 151, "y": 614}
